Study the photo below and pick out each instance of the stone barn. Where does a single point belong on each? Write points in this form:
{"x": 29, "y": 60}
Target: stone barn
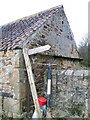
{"x": 69, "y": 83}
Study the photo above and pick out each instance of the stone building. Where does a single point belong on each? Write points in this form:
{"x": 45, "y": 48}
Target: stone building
{"x": 47, "y": 27}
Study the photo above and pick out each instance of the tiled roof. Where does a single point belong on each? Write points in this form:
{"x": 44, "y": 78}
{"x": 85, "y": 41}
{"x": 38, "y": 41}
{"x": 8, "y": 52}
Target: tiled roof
{"x": 15, "y": 34}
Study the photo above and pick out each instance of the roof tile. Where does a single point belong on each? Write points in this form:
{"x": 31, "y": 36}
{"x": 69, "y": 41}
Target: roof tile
{"x": 16, "y": 33}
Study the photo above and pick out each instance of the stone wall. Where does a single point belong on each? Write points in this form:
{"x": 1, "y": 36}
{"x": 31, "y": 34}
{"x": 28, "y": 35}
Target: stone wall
{"x": 69, "y": 84}
{"x": 11, "y": 92}
{"x": 57, "y": 33}
{"x": 69, "y": 93}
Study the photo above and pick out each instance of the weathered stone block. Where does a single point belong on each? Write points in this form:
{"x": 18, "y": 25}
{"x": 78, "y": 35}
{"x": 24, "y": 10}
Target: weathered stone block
{"x": 10, "y": 58}
{"x": 81, "y": 73}
{"x": 16, "y": 90}
{"x": 15, "y": 58}
{"x": 23, "y": 90}
{"x": 21, "y": 60}
{"x": 16, "y": 61}
{"x": 1, "y": 54}
{"x": 15, "y": 76}
{"x": 8, "y": 114}
{"x": 23, "y": 75}
{"x": 16, "y": 115}
{"x": 1, "y": 62}
{"x": 1, "y": 101}
{"x": 12, "y": 105}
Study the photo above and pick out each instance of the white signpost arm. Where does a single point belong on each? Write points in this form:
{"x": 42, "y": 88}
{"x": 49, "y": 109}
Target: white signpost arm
{"x": 39, "y": 49}
{"x": 26, "y": 54}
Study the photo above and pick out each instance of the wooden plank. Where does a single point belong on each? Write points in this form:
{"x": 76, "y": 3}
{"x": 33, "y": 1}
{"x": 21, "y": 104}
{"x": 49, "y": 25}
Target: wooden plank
{"x": 31, "y": 81}
{"x": 39, "y": 49}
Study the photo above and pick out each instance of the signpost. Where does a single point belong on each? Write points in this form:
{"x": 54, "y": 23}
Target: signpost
{"x": 39, "y": 49}
{"x": 26, "y": 54}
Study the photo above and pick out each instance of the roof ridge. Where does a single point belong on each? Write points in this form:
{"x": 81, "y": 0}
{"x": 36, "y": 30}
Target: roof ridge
{"x": 32, "y": 15}
{"x": 43, "y": 11}
{"x": 40, "y": 21}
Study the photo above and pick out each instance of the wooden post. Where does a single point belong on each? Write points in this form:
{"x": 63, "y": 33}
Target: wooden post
{"x": 31, "y": 81}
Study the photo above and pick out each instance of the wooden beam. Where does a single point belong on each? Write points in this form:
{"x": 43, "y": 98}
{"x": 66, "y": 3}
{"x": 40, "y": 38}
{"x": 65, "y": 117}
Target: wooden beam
{"x": 31, "y": 81}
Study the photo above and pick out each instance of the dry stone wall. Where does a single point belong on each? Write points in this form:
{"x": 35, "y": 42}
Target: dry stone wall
{"x": 69, "y": 85}
{"x": 70, "y": 93}
{"x": 10, "y": 84}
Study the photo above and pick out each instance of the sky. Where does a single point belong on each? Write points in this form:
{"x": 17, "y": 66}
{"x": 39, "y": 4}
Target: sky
{"x": 76, "y": 12}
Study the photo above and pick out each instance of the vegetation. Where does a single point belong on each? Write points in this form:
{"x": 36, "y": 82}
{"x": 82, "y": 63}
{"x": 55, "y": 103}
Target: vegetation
{"x": 84, "y": 51}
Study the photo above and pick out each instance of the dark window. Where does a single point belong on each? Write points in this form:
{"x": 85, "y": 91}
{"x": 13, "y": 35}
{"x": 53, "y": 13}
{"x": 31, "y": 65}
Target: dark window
{"x": 41, "y": 42}
{"x": 68, "y": 36}
{"x": 43, "y": 36}
{"x": 72, "y": 47}
{"x": 45, "y": 26}
{"x": 62, "y": 22}
{"x": 61, "y": 30}
{"x": 71, "y": 37}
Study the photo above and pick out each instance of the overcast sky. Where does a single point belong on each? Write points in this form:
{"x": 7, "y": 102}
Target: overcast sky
{"x": 76, "y": 12}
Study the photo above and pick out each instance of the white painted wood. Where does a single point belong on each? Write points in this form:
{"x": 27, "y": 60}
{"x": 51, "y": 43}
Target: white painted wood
{"x": 39, "y": 49}
{"x": 49, "y": 87}
{"x": 35, "y": 114}
{"x": 31, "y": 82}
